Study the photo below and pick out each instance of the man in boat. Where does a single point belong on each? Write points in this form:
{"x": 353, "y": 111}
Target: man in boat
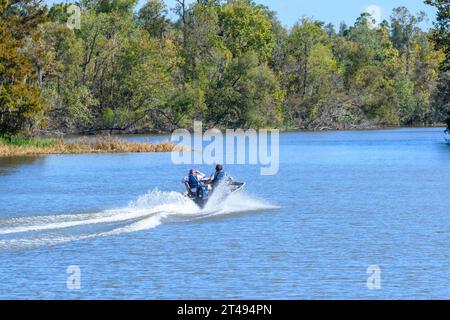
{"x": 196, "y": 186}
{"x": 217, "y": 177}
{"x": 448, "y": 125}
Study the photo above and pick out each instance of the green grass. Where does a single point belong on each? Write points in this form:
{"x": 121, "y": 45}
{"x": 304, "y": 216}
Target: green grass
{"x": 20, "y": 141}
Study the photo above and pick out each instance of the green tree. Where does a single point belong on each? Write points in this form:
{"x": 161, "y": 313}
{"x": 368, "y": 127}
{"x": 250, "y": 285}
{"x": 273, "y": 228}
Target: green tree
{"x": 21, "y": 109}
{"x": 153, "y": 18}
{"x": 228, "y": 63}
{"x": 303, "y": 38}
{"x": 200, "y": 43}
{"x": 107, "y": 6}
{"x": 244, "y": 94}
{"x": 246, "y": 27}
{"x": 441, "y": 38}
{"x": 374, "y": 66}
{"x": 441, "y": 34}
{"x": 313, "y": 78}
{"x": 70, "y": 103}
{"x": 404, "y": 29}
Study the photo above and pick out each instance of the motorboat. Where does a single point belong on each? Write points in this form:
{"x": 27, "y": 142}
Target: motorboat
{"x": 203, "y": 194}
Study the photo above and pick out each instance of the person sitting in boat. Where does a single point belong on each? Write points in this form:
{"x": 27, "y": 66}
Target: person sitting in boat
{"x": 194, "y": 181}
{"x": 218, "y": 176}
{"x": 448, "y": 126}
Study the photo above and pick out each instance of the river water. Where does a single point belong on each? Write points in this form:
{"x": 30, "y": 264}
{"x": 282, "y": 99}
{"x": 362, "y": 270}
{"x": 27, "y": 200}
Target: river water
{"x": 341, "y": 203}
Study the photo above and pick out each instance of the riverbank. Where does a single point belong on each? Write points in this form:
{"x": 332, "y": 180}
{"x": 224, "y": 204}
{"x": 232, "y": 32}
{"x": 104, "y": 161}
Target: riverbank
{"x": 14, "y": 146}
{"x": 281, "y": 129}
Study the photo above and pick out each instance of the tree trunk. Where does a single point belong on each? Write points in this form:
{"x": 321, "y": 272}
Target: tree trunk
{"x": 305, "y": 69}
{"x": 39, "y": 76}
{"x": 408, "y": 57}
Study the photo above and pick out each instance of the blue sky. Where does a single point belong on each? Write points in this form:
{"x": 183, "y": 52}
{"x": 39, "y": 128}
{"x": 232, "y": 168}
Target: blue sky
{"x": 335, "y": 11}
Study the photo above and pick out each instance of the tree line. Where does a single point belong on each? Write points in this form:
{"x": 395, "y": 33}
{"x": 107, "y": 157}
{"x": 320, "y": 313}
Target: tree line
{"x": 227, "y": 63}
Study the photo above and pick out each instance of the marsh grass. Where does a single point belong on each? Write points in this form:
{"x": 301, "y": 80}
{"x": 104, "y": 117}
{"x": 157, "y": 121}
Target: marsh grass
{"x": 18, "y": 141}
{"x": 34, "y": 146}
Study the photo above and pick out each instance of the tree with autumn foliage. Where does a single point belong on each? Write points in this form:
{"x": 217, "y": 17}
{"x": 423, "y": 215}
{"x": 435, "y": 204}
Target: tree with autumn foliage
{"x": 21, "y": 107}
{"x": 226, "y": 63}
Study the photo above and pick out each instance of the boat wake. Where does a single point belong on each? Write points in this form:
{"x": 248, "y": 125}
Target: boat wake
{"x": 147, "y": 212}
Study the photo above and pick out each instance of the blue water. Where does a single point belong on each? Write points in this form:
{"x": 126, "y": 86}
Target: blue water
{"x": 342, "y": 201}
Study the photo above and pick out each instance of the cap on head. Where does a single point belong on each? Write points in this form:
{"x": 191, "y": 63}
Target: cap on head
{"x": 219, "y": 167}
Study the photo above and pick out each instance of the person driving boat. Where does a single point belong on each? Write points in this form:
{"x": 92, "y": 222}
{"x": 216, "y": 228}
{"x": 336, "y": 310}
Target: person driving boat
{"x": 199, "y": 189}
{"x": 217, "y": 176}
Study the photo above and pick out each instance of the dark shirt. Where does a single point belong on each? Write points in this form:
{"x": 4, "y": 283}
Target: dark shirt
{"x": 218, "y": 176}
{"x": 193, "y": 181}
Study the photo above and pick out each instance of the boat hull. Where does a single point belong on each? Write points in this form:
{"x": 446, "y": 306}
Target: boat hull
{"x": 202, "y": 200}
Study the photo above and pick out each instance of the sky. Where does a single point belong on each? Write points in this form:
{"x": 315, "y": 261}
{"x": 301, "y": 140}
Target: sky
{"x": 334, "y": 11}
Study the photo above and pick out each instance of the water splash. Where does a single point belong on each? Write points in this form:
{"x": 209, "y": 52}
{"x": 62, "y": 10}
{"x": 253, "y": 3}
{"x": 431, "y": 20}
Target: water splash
{"x": 146, "y": 212}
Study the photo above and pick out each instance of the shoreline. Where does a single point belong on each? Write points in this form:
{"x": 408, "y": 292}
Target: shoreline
{"x": 164, "y": 133}
{"x": 101, "y": 145}
{"x": 98, "y": 144}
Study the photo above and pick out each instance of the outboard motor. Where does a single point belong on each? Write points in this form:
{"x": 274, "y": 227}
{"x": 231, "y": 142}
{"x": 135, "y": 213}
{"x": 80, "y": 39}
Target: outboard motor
{"x": 202, "y": 196}
{"x": 201, "y": 193}
{"x": 198, "y": 195}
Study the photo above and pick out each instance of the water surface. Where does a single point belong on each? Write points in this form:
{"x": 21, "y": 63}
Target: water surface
{"x": 341, "y": 202}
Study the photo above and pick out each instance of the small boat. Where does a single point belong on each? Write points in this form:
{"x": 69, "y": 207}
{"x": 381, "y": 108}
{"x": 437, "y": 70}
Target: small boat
{"x": 201, "y": 196}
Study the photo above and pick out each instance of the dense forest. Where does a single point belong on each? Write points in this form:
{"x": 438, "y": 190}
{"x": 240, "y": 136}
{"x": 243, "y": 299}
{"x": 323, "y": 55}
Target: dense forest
{"x": 228, "y": 63}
